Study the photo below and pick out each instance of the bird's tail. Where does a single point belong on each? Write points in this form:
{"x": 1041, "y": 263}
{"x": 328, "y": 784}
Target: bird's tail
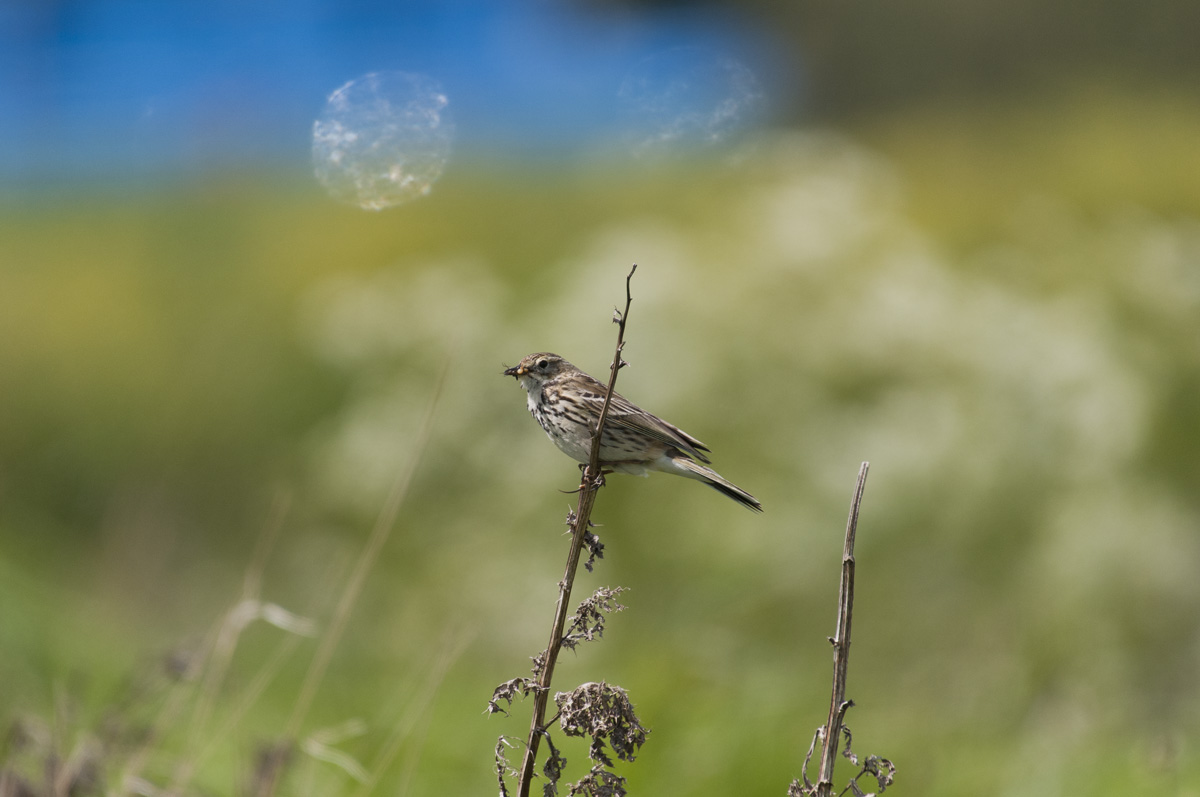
{"x": 685, "y": 466}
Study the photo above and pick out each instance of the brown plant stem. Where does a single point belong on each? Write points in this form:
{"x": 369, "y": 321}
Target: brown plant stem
{"x": 841, "y": 645}
{"x": 380, "y": 533}
{"x": 591, "y": 482}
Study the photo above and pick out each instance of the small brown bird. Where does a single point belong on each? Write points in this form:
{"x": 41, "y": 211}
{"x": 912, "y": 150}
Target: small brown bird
{"x": 566, "y": 402}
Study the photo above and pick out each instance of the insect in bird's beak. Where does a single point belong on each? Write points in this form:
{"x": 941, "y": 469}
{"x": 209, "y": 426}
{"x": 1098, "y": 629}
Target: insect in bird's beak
{"x": 514, "y": 372}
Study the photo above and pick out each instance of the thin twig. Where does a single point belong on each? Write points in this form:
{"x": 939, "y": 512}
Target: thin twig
{"x": 591, "y": 482}
{"x": 379, "y": 535}
{"x": 617, "y": 363}
{"x": 841, "y": 646}
{"x": 452, "y": 647}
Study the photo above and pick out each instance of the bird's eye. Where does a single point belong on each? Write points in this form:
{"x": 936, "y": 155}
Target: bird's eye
{"x": 542, "y": 364}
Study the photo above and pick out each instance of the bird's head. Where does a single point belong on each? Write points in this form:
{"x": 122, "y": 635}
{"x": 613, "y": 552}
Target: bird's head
{"x": 534, "y": 369}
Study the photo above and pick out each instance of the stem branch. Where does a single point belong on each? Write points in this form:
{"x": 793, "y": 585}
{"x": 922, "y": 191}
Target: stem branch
{"x": 591, "y": 482}
{"x": 841, "y": 646}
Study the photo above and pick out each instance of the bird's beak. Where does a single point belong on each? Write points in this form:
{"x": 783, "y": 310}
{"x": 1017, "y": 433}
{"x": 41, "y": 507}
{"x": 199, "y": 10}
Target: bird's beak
{"x": 515, "y": 371}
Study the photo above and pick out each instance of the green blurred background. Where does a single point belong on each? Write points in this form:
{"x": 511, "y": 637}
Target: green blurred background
{"x": 966, "y": 248}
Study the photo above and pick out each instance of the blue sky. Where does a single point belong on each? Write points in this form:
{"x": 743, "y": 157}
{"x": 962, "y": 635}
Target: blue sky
{"x": 130, "y": 88}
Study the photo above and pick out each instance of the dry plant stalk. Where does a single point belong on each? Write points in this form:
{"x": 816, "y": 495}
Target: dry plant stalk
{"x": 831, "y": 732}
{"x": 380, "y": 533}
{"x": 592, "y": 480}
{"x": 841, "y": 644}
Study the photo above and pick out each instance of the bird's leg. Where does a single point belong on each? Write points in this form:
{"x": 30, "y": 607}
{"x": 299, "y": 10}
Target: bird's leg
{"x": 600, "y": 480}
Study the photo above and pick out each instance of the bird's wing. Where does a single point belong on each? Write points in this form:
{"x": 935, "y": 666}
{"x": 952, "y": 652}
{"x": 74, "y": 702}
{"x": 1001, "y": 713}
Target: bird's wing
{"x": 624, "y": 413}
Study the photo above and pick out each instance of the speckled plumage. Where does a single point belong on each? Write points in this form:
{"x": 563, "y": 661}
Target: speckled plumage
{"x": 566, "y": 402}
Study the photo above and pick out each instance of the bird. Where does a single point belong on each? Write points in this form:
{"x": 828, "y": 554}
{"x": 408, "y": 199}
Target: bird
{"x": 566, "y": 402}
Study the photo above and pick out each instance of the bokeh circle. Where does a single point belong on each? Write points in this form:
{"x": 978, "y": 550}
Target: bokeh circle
{"x": 687, "y": 99}
{"x": 383, "y": 139}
